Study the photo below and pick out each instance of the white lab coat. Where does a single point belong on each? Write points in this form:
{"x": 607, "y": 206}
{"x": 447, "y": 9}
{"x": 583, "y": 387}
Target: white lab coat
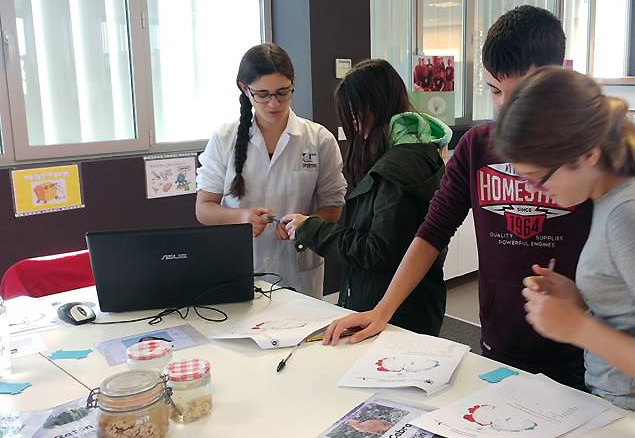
{"x": 304, "y": 174}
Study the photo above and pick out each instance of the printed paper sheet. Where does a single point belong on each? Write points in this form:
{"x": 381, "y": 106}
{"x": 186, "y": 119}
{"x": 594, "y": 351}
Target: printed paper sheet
{"x": 519, "y": 407}
{"x": 400, "y": 359}
{"x": 286, "y": 325}
{"x": 182, "y": 337}
{"x": 381, "y": 418}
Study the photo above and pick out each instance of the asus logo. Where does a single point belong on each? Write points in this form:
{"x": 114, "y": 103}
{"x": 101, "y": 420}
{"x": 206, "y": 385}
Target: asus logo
{"x": 173, "y": 256}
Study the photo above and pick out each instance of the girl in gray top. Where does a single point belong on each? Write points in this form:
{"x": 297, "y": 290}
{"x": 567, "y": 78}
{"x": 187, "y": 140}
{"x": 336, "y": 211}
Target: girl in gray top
{"x": 565, "y": 137}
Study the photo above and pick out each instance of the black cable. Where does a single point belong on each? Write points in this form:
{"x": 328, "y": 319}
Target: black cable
{"x": 156, "y": 319}
{"x": 273, "y": 287}
{"x": 223, "y": 318}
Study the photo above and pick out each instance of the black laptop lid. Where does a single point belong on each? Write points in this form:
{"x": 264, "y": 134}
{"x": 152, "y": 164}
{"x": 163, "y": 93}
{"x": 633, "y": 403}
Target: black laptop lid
{"x": 175, "y": 267}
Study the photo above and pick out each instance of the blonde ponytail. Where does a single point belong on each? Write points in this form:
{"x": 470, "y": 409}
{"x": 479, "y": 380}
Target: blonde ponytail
{"x": 619, "y": 148}
{"x": 555, "y": 116}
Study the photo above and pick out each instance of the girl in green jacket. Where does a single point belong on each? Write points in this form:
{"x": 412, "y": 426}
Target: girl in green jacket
{"x": 394, "y": 167}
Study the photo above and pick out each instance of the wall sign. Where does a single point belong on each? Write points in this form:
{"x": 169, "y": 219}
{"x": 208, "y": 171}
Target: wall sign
{"x": 46, "y": 189}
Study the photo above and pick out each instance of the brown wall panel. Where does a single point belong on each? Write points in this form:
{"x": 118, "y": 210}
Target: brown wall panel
{"x": 339, "y": 29}
{"x": 114, "y": 194}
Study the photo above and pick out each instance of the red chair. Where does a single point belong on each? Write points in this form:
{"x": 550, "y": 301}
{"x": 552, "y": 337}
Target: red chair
{"x": 41, "y": 276}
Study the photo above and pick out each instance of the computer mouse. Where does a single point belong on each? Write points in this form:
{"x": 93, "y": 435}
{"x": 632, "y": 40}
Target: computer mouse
{"x": 76, "y": 313}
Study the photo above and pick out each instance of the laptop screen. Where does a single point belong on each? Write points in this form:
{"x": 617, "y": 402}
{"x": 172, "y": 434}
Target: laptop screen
{"x": 174, "y": 267}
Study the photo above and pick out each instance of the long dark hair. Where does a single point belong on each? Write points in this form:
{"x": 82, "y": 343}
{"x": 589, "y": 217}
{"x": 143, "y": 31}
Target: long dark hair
{"x": 260, "y": 60}
{"x": 366, "y": 99}
{"x": 554, "y": 116}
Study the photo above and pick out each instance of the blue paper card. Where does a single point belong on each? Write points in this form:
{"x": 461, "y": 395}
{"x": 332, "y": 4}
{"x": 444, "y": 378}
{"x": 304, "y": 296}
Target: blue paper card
{"x": 13, "y": 388}
{"x": 498, "y": 375}
{"x": 70, "y": 354}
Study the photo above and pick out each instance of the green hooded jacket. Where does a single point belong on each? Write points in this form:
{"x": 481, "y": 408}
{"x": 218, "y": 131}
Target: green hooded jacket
{"x": 380, "y": 219}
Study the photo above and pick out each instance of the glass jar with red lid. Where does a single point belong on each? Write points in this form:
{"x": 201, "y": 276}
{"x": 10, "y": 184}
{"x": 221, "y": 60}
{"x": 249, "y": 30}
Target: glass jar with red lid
{"x": 149, "y": 355}
{"x": 190, "y": 381}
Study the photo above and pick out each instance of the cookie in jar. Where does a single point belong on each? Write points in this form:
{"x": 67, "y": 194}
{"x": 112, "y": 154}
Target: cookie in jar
{"x": 132, "y": 404}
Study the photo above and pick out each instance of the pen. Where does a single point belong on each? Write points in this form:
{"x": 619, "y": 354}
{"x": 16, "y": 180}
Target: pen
{"x": 551, "y": 267}
{"x": 283, "y": 362}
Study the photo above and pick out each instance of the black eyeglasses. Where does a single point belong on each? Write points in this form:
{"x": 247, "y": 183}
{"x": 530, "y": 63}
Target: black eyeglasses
{"x": 542, "y": 181}
{"x": 264, "y": 96}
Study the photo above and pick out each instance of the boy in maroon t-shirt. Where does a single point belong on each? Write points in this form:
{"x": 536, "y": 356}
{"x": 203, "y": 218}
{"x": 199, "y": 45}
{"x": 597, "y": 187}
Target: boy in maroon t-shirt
{"x": 516, "y": 225}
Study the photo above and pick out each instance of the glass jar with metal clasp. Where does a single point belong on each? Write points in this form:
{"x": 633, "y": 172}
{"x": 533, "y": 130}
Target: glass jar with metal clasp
{"x": 132, "y": 404}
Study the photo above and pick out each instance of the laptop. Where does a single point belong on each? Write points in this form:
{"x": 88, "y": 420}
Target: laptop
{"x": 174, "y": 267}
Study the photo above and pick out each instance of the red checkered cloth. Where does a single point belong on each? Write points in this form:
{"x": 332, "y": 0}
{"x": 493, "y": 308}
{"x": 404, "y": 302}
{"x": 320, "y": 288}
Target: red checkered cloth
{"x": 147, "y": 350}
{"x": 185, "y": 370}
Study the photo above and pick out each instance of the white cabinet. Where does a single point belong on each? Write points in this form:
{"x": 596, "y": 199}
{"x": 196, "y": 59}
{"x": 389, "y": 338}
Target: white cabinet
{"x": 462, "y": 255}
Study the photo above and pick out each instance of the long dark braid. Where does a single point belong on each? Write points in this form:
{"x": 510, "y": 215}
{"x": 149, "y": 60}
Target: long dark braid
{"x": 237, "y": 188}
{"x": 260, "y": 60}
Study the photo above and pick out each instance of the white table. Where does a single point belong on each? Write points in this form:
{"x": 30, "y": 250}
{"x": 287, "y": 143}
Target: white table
{"x": 46, "y": 380}
{"x": 250, "y": 398}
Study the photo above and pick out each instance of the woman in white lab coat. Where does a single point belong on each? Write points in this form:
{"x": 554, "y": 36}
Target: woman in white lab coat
{"x": 271, "y": 162}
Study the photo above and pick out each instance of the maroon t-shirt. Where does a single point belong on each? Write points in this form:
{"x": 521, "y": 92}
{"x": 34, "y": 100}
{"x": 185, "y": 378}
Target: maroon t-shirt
{"x": 515, "y": 228}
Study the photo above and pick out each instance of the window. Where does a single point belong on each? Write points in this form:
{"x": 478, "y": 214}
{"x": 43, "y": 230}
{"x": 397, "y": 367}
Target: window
{"x": 611, "y": 39}
{"x": 575, "y": 20}
{"x": 594, "y": 28}
{"x": 440, "y": 31}
{"x": 391, "y": 34}
{"x": 401, "y": 29}
{"x": 191, "y": 70}
{"x": 88, "y": 77}
{"x": 76, "y": 66}
{"x": 5, "y": 126}
{"x": 598, "y": 37}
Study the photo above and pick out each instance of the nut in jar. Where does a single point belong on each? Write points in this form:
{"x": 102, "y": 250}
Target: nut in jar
{"x": 132, "y": 404}
{"x": 191, "y": 389}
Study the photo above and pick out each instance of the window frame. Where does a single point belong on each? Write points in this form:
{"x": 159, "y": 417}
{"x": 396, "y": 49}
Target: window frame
{"x": 469, "y": 54}
{"x": 16, "y": 149}
{"x": 6, "y": 157}
{"x": 624, "y": 80}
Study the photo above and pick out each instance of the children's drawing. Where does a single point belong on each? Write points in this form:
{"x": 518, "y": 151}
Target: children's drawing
{"x": 182, "y": 178}
{"x": 49, "y": 192}
{"x": 170, "y": 176}
{"x": 161, "y": 181}
{"x": 499, "y": 419}
{"x": 405, "y": 364}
